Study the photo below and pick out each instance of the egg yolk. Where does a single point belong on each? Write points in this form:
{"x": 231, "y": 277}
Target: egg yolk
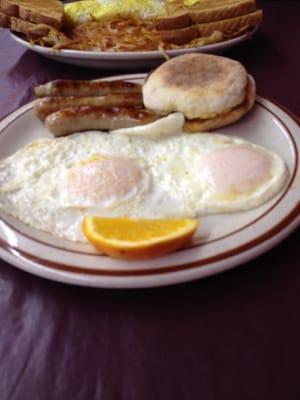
{"x": 235, "y": 171}
{"x": 104, "y": 178}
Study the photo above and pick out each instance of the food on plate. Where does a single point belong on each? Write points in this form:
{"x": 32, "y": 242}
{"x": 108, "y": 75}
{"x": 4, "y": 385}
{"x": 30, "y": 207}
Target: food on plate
{"x": 52, "y": 184}
{"x": 135, "y": 239}
{"x": 71, "y": 106}
{"x": 161, "y": 127}
{"x": 116, "y": 34}
{"x": 34, "y": 32}
{"x": 64, "y": 87}
{"x": 230, "y": 18}
{"x": 37, "y": 21}
{"x": 230, "y": 28}
{"x": 45, "y": 106}
{"x": 135, "y": 25}
{"x": 81, "y": 118}
{"x": 127, "y": 34}
{"x": 45, "y": 34}
{"x": 48, "y": 12}
{"x": 172, "y": 25}
{"x": 211, "y": 91}
{"x": 79, "y": 12}
{"x": 203, "y": 12}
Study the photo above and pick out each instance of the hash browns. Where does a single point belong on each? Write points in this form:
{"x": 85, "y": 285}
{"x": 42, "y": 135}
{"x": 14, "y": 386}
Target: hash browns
{"x": 126, "y": 34}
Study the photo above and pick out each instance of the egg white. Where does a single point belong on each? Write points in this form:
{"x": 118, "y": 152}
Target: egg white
{"x": 162, "y": 127}
{"x": 34, "y": 180}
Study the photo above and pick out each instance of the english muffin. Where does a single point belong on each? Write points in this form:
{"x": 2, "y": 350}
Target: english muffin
{"x": 211, "y": 91}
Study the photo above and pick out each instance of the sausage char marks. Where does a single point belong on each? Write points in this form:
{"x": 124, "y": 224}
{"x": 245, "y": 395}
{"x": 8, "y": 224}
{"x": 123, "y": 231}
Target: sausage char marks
{"x": 80, "y": 88}
{"x": 69, "y": 106}
{"x": 45, "y": 106}
{"x": 81, "y": 118}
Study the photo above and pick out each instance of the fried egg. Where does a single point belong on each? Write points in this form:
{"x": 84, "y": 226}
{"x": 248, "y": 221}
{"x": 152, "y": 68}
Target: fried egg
{"x": 51, "y": 184}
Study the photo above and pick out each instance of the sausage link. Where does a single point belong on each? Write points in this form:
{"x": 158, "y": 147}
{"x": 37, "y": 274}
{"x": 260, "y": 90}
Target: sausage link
{"x": 45, "y": 106}
{"x": 76, "y": 119}
{"x": 86, "y": 88}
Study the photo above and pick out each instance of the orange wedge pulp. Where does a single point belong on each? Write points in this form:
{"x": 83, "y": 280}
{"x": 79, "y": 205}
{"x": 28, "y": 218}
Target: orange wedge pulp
{"x": 135, "y": 239}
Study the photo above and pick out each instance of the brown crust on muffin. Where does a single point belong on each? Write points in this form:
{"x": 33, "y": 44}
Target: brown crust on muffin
{"x": 204, "y": 125}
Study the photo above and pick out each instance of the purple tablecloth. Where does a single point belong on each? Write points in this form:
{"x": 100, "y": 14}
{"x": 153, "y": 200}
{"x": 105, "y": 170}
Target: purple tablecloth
{"x": 232, "y": 336}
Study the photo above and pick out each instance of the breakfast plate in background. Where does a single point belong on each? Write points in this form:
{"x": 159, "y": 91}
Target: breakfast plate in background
{"x": 223, "y": 241}
{"x": 133, "y": 60}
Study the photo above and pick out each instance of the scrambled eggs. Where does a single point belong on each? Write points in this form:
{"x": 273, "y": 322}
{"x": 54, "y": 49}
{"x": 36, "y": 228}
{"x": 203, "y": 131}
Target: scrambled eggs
{"x": 102, "y": 10}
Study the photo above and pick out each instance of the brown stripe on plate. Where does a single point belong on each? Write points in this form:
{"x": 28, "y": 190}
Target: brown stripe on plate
{"x": 162, "y": 270}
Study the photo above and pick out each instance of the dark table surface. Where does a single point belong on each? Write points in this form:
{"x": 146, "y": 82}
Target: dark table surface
{"x": 232, "y": 336}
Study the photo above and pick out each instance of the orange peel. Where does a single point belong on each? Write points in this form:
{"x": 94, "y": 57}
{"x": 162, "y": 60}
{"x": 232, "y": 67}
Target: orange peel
{"x": 135, "y": 239}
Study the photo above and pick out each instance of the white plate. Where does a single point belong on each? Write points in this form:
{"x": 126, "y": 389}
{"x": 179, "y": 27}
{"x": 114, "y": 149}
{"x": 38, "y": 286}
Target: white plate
{"x": 125, "y": 60}
{"x": 223, "y": 241}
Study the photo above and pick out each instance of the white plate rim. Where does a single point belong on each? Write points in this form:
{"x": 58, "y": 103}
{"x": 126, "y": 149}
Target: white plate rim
{"x": 157, "y": 277}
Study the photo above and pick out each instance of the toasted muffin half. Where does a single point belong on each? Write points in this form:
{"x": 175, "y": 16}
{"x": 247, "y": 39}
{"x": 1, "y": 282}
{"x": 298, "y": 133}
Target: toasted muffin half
{"x": 211, "y": 91}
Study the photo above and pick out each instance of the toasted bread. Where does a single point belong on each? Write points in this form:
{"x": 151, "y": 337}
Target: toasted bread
{"x": 177, "y": 5}
{"x": 15, "y": 24}
{"x": 47, "y": 35}
{"x": 175, "y": 21}
{"x": 186, "y": 35}
{"x": 40, "y": 33}
{"x": 220, "y": 12}
{"x": 204, "y": 13}
{"x": 48, "y": 12}
{"x": 230, "y": 27}
{"x": 4, "y": 20}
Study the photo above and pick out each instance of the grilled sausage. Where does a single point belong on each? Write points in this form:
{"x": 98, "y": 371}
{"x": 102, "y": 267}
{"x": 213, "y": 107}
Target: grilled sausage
{"x": 75, "y": 119}
{"x": 86, "y": 88}
{"x": 47, "y": 105}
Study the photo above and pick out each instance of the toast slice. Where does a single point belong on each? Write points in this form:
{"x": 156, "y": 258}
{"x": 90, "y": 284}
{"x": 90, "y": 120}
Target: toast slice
{"x": 15, "y": 24}
{"x": 204, "y": 13}
{"x": 230, "y": 27}
{"x": 48, "y": 12}
{"x": 4, "y": 20}
{"x": 178, "y": 5}
{"x": 219, "y": 12}
{"x": 39, "y": 33}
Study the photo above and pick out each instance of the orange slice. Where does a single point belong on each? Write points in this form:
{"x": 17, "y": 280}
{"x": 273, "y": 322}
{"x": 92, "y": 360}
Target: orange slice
{"x": 134, "y": 239}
